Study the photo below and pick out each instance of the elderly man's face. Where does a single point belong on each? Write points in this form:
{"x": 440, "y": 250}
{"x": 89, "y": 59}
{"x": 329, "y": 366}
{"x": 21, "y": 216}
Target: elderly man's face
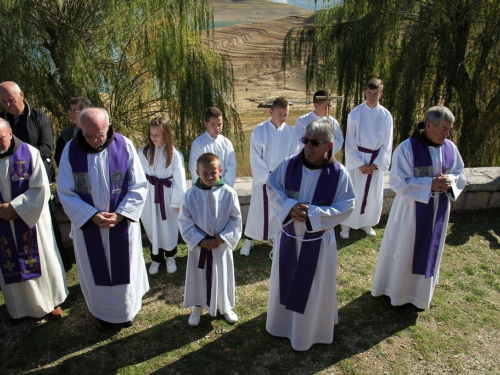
{"x": 438, "y": 133}
{"x": 11, "y": 100}
{"x": 94, "y": 128}
{"x": 5, "y": 137}
{"x": 316, "y": 154}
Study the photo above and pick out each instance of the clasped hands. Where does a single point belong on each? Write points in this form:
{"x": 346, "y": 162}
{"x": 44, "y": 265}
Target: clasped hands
{"x": 299, "y": 212}
{"x": 212, "y": 243}
{"x": 7, "y": 212}
{"x": 441, "y": 182}
{"x": 106, "y": 219}
{"x": 368, "y": 169}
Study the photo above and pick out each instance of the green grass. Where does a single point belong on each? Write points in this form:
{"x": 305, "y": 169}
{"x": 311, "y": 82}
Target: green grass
{"x": 460, "y": 333}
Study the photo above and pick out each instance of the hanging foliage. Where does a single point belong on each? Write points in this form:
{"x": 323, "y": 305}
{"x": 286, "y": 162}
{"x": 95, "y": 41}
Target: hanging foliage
{"x": 136, "y": 58}
{"x": 427, "y": 52}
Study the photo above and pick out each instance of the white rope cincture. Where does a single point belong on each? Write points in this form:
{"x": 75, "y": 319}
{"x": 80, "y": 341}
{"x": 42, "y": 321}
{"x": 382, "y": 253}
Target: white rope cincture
{"x": 300, "y": 238}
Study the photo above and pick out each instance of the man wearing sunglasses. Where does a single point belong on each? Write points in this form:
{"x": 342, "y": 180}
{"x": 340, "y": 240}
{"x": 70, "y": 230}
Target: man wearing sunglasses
{"x": 368, "y": 148}
{"x": 310, "y": 193}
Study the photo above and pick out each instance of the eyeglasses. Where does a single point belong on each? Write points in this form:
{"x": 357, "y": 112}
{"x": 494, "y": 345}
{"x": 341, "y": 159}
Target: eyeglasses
{"x": 73, "y": 111}
{"x": 314, "y": 142}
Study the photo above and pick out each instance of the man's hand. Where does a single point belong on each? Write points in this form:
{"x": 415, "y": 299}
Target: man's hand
{"x": 441, "y": 182}
{"x": 372, "y": 168}
{"x": 365, "y": 169}
{"x": 106, "y": 219}
{"x": 299, "y": 212}
{"x": 7, "y": 212}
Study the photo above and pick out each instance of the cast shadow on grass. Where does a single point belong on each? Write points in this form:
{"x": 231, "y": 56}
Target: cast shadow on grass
{"x": 464, "y": 225}
{"x": 248, "y": 348}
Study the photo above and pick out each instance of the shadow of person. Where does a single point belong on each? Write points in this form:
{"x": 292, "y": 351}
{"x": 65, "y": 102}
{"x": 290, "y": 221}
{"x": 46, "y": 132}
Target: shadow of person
{"x": 465, "y": 224}
{"x": 248, "y": 348}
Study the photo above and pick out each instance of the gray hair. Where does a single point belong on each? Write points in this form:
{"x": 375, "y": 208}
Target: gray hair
{"x": 2, "y": 121}
{"x": 435, "y": 114}
{"x": 321, "y": 126}
{"x": 84, "y": 113}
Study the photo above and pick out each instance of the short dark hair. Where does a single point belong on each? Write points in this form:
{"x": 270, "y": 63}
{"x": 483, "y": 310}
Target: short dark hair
{"x": 81, "y": 102}
{"x": 320, "y": 96}
{"x": 280, "y": 102}
{"x": 207, "y": 159}
{"x": 212, "y": 112}
{"x": 375, "y": 83}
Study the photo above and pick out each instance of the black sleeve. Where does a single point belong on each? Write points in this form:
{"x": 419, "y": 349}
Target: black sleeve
{"x": 59, "y": 150}
{"x": 45, "y": 141}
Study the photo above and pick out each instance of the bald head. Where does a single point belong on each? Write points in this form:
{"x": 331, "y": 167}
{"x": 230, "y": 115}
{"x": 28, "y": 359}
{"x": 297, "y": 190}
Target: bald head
{"x": 5, "y": 135}
{"x": 12, "y": 98}
{"x": 94, "y": 123}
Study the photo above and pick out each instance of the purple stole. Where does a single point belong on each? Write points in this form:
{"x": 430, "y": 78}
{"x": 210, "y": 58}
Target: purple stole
{"x": 296, "y": 276}
{"x": 21, "y": 262}
{"x": 427, "y": 235}
{"x": 159, "y": 183}
{"x": 118, "y": 235}
{"x": 266, "y": 212}
{"x": 369, "y": 177}
{"x": 208, "y": 257}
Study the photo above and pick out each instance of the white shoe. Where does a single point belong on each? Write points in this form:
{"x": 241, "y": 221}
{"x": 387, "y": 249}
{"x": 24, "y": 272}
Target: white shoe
{"x": 231, "y": 317}
{"x": 369, "y": 231}
{"x": 194, "y": 318}
{"x": 344, "y": 233}
{"x": 270, "y": 243}
{"x": 245, "y": 249}
{"x": 154, "y": 267}
{"x": 171, "y": 267}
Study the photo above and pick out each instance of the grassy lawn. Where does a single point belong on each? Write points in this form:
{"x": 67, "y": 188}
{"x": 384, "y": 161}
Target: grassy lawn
{"x": 459, "y": 334}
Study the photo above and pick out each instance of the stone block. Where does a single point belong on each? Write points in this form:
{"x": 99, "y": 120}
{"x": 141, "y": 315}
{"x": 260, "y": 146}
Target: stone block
{"x": 494, "y": 200}
{"x": 459, "y": 204}
{"x": 476, "y": 200}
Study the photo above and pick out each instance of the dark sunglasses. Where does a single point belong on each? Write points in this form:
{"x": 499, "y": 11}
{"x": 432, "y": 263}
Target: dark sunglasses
{"x": 314, "y": 143}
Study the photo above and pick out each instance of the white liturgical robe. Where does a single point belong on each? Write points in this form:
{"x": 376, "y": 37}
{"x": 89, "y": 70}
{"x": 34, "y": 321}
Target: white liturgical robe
{"x": 304, "y": 120}
{"x": 370, "y": 128}
{"x": 38, "y": 296}
{"x": 316, "y": 324}
{"x": 118, "y": 303}
{"x": 207, "y": 213}
{"x": 163, "y": 233}
{"x": 393, "y": 273}
{"x": 220, "y": 146}
{"x": 269, "y": 146}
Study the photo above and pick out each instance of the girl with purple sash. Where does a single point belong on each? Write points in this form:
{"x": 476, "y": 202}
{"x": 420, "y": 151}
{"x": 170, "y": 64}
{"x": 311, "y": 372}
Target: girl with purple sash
{"x": 427, "y": 173}
{"x": 310, "y": 193}
{"x": 164, "y": 168}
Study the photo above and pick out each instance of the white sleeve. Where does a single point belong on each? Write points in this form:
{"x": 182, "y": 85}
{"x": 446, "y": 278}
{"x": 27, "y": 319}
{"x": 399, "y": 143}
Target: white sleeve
{"x": 260, "y": 169}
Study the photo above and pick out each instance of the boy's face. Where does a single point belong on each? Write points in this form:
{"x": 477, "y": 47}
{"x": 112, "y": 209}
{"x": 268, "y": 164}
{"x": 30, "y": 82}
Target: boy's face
{"x": 372, "y": 97}
{"x": 321, "y": 109}
{"x": 214, "y": 126}
{"x": 279, "y": 115}
{"x": 209, "y": 173}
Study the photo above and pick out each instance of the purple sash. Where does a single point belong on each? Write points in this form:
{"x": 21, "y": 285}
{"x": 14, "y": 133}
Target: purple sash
{"x": 21, "y": 262}
{"x": 207, "y": 256}
{"x": 369, "y": 177}
{"x": 266, "y": 212}
{"x": 159, "y": 183}
{"x": 296, "y": 276}
{"x": 427, "y": 235}
{"x": 118, "y": 235}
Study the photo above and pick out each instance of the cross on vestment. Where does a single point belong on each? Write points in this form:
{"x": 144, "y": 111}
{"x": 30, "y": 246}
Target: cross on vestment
{"x": 117, "y": 177}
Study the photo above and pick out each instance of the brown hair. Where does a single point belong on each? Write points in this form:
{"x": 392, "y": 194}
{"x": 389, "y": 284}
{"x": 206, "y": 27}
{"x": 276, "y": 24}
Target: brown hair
{"x": 164, "y": 124}
{"x": 375, "y": 83}
{"x": 212, "y": 112}
{"x": 82, "y": 102}
{"x": 207, "y": 159}
{"x": 280, "y": 102}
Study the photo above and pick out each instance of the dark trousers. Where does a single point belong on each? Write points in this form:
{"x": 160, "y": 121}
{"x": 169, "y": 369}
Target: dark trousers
{"x": 162, "y": 254}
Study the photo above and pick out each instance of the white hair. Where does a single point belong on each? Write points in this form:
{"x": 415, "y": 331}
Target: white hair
{"x": 321, "y": 126}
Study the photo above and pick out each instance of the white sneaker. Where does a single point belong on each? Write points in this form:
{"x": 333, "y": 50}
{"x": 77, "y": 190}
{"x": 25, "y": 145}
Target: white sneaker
{"x": 171, "y": 267}
{"x": 270, "y": 243}
{"x": 344, "y": 233}
{"x": 231, "y": 317}
{"x": 194, "y": 318}
{"x": 245, "y": 249}
{"x": 369, "y": 231}
{"x": 154, "y": 267}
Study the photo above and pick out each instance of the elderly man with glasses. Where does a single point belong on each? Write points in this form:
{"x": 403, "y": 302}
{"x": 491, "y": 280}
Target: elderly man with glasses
{"x": 310, "y": 193}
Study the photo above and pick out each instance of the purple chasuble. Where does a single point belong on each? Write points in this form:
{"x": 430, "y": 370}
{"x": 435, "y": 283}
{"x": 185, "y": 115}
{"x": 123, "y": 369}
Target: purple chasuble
{"x": 207, "y": 257}
{"x": 296, "y": 275}
{"x": 427, "y": 235}
{"x": 159, "y": 183}
{"x": 118, "y": 235}
{"x": 19, "y": 262}
{"x": 369, "y": 177}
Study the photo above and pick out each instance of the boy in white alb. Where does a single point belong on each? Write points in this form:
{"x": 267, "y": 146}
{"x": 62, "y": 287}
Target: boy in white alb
{"x": 214, "y": 142}
{"x": 321, "y": 101}
{"x": 272, "y": 141}
{"x": 368, "y": 149}
{"x": 210, "y": 223}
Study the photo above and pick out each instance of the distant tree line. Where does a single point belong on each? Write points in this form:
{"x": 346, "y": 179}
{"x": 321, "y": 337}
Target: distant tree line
{"x": 136, "y": 58}
{"x": 427, "y": 52}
